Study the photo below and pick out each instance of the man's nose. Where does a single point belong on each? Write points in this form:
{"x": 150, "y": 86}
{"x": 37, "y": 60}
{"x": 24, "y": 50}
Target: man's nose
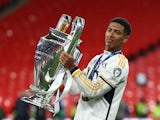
{"x": 110, "y": 34}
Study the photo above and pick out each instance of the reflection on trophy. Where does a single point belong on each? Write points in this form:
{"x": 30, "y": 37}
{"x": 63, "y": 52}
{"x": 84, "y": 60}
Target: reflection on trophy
{"x": 49, "y": 73}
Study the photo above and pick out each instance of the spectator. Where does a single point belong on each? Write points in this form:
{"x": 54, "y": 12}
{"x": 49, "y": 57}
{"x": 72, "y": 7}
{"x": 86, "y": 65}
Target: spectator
{"x": 123, "y": 111}
{"x": 2, "y": 114}
{"x": 142, "y": 109}
{"x": 40, "y": 114}
{"x": 156, "y": 110}
{"x": 21, "y": 110}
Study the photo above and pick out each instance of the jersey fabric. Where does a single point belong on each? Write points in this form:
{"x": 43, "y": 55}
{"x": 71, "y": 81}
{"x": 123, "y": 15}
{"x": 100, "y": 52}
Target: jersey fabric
{"x": 101, "y": 96}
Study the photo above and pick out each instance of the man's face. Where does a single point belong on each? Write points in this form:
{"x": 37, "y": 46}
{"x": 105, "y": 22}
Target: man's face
{"x": 115, "y": 36}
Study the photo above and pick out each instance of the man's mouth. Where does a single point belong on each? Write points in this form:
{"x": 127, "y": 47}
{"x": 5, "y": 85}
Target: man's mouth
{"x": 109, "y": 40}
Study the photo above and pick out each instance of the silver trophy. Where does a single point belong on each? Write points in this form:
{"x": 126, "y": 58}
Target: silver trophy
{"x": 49, "y": 73}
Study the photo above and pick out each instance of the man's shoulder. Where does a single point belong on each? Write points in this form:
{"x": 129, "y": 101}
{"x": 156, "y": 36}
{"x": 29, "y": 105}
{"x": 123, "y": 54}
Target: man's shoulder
{"x": 120, "y": 57}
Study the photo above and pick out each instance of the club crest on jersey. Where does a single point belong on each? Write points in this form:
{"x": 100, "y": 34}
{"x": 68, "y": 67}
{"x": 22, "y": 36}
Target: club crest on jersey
{"x": 117, "y": 72}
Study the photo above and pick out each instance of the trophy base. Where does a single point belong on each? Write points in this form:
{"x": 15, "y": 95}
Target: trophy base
{"x": 35, "y": 100}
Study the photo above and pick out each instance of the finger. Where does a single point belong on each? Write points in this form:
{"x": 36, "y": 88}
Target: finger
{"x": 61, "y": 59}
{"x": 62, "y": 62}
{"x": 66, "y": 55}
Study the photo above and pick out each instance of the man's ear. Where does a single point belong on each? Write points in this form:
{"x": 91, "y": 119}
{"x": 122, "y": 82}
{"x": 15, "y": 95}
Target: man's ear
{"x": 126, "y": 39}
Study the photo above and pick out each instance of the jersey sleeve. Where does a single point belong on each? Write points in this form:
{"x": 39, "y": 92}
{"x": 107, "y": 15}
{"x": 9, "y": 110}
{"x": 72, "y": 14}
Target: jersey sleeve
{"x": 75, "y": 87}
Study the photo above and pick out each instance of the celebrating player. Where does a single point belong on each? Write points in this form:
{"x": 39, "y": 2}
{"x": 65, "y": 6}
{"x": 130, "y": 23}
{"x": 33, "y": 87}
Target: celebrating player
{"x": 102, "y": 83}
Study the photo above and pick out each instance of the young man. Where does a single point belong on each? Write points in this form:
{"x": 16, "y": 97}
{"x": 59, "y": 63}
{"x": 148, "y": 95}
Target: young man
{"x": 102, "y": 83}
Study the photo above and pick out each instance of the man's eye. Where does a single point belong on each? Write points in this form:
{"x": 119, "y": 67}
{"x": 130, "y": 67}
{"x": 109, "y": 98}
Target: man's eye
{"x": 117, "y": 32}
{"x": 109, "y": 30}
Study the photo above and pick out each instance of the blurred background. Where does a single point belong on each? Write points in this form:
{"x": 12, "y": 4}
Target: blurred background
{"x": 23, "y": 22}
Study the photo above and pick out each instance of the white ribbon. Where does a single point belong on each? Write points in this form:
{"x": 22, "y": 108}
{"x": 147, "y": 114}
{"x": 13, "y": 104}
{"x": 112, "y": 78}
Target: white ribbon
{"x": 55, "y": 88}
{"x": 67, "y": 86}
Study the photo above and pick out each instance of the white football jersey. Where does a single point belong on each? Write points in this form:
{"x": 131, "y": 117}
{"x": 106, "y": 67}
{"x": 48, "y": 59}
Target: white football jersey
{"x": 100, "y": 96}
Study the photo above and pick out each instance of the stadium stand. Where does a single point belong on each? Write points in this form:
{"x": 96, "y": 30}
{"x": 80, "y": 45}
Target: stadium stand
{"x": 21, "y": 30}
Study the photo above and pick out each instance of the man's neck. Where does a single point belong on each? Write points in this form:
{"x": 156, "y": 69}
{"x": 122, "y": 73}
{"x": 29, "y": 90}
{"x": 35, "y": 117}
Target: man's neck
{"x": 112, "y": 50}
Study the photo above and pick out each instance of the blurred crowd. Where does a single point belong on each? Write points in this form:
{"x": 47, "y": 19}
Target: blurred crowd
{"x": 25, "y": 111}
{"x": 142, "y": 109}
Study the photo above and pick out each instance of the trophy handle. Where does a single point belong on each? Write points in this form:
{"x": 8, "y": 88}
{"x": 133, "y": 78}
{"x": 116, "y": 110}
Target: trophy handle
{"x": 63, "y": 23}
{"x": 77, "y": 28}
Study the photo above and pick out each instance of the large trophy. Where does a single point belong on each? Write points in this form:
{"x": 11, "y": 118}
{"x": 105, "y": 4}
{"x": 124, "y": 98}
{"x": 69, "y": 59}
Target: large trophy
{"x": 49, "y": 73}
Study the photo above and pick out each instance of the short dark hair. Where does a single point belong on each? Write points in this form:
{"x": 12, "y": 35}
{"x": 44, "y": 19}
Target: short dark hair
{"x": 123, "y": 22}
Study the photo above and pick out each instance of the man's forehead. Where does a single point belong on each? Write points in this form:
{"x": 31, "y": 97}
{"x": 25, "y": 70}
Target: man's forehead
{"x": 115, "y": 25}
